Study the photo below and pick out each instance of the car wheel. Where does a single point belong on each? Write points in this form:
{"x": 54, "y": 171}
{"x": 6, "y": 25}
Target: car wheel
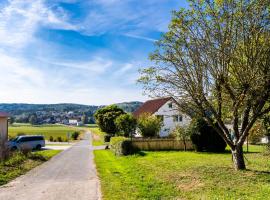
{"x": 38, "y": 147}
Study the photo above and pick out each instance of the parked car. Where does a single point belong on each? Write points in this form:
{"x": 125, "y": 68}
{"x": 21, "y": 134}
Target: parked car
{"x": 27, "y": 142}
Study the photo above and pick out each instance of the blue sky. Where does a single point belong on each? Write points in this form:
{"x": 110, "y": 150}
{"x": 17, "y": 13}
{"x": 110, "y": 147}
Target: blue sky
{"x": 78, "y": 51}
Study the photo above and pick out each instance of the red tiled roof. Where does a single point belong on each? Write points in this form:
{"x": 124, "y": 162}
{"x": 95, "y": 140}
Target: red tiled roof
{"x": 3, "y": 114}
{"x": 151, "y": 106}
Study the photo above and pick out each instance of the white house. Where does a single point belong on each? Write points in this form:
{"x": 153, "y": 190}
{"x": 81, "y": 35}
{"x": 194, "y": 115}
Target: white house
{"x": 167, "y": 110}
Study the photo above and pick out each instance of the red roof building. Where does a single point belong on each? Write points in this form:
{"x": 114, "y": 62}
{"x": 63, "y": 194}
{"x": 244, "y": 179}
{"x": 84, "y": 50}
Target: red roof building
{"x": 151, "y": 106}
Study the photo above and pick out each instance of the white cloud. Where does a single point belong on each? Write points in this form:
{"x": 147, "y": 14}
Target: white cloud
{"x": 19, "y": 20}
{"x": 140, "y": 37}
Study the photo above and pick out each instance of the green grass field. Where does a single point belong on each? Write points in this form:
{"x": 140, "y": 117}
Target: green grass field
{"x": 97, "y": 136}
{"x": 19, "y": 164}
{"x": 182, "y": 175}
{"x": 46, "y": 130}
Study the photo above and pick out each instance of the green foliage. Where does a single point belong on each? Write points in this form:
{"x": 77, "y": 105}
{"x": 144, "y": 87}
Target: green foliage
{"x": 126, "y": 124}
{"x": 75, "y": 135}
{"x": 19, "y": 163}
{"x": 204, "y": 137}
{"x": 33, "y": 119}
{"x": 51, "y": 138}
{"x": 266, "y": 123}
{"x": 256, "y": 133}
{"x": 149, "y": 125}
{"x": 106, "y": 116}
{"x": 122, "y": 146}
{"x": 59, "y": 139}
{"x": 107, "y": 138}
{"x": 84, "y": 119}
{"x": 11, "y": 120}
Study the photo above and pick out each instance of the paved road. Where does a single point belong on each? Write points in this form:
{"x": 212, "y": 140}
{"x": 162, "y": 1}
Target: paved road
{"x": 70, "y": 175}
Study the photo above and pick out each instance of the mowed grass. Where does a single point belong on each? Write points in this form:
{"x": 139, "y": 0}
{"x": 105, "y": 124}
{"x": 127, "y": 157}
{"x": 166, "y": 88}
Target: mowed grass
{"x": 46, "y": 130}
{"x": 97, "y": 136}
{"x": 19, "y": 164}
{"x": 182, "y": 175}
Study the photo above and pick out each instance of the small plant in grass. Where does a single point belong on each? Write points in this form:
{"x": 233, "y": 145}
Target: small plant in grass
{"x": 181, "y": 133}
{"x": 59, "y": 139}
{"x": 75, "y": 135}
{"x": 149, "y": 125}
{"x": 51, "y": 138}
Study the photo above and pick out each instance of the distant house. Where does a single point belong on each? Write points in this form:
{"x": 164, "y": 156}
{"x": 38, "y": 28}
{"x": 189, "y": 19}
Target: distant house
{"x": 166, "y": 109}
{"x": 3, "y": 133}
{"x": 73, "y": 121}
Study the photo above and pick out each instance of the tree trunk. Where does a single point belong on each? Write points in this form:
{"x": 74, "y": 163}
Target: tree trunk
{"x": 238, "y": 158}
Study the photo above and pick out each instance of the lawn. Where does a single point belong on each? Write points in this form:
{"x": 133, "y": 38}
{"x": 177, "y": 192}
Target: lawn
{"x": 97, "y": 136}
{"x": 19, "y": 164}
{"x": 46, "y": 130}
{"x": 182, "y": 175}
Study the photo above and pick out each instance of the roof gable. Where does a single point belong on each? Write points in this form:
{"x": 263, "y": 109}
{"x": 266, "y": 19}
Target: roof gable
{"x": 151, "y": 106}
{"x": 4, "y": 114}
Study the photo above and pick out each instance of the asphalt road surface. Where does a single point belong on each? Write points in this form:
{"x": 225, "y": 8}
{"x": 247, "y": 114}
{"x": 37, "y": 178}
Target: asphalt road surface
{"x": 70, "y": 175}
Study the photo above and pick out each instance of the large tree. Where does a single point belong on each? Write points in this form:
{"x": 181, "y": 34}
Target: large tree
{"x": 215, "y": 60}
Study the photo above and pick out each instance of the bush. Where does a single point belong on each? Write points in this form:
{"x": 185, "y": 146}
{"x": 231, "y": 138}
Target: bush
{"x": 107, "y": 138}
{"x": 106, "y": 116}
{"x": 126, "y": 124}
{"x": 75, "y": 135}
{"x": 51, "y": 138}
{"x": 204, "y": 137}
{"x": 59, "y": 139}
{"x": 256, "y": 133}
{"x": 122, "y": 146}
{"x": 149, "y": 125}
{"x": 181, "y": 133}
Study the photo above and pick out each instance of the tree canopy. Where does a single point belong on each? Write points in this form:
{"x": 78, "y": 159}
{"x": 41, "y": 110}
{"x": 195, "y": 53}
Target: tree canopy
{"x": 215, "y": 59}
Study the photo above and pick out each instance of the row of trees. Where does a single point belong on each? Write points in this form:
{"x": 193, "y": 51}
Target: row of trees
{"x": 113, "y": 120}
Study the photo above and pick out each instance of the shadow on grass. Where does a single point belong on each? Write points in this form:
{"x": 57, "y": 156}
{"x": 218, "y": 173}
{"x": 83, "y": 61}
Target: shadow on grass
{"x": 259, "y": 172}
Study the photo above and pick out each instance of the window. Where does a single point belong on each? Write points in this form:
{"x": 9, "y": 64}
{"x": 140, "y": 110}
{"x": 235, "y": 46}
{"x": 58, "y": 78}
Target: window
{"x": 170, "y": 105}
{"x": 161, "y": 117}
{"x": 177, "y": 118}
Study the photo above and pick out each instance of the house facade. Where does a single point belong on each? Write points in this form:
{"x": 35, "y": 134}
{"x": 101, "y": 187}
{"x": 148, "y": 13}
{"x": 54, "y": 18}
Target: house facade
{"x": 3, "y": 133}
{"x": 167, "y": 110}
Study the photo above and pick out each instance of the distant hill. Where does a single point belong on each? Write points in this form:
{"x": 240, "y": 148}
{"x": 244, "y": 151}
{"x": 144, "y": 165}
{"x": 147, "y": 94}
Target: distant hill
{"x": 21, "y": 108}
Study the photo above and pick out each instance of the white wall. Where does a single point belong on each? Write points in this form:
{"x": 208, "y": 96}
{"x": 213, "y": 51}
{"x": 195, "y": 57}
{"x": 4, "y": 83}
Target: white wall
{"x": 169, "y": 123}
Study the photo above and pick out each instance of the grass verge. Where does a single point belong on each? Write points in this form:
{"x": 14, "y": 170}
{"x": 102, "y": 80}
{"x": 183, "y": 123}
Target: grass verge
{"x": 97, "y": 136}
{"x": 19, "y": 164}
{"x": 182, "y": 175}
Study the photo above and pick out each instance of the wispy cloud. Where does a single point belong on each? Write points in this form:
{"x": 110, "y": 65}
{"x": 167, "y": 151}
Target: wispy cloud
{"x": 19, "y": 21}
{"x": 141, "y": 37}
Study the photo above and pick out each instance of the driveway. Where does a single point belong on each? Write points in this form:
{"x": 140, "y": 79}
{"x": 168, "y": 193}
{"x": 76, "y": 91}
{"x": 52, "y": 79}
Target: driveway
{"x": 69, "y": 175}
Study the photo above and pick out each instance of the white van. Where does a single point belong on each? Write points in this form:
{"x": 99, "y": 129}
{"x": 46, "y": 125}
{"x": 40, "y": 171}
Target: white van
{"x": 27, "y": 142}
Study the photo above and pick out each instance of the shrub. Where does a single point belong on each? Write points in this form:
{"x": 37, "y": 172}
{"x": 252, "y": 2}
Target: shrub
{"x": 122, "y": 146}
{"x": 149, "y": 125}
{"x": 126, "y": 124}
{"x": 51, "y": 138}
{"x": 59, "y": 139}
{"x": 75, "y": 135}
{"x": 107, "y": 138}
{"x": 20, "y": 134}
{"x": 106, "y": 116}
{"x": 256, "y": 133}
{"x": 204, "y": 137}
{"x": 181, "y": 133}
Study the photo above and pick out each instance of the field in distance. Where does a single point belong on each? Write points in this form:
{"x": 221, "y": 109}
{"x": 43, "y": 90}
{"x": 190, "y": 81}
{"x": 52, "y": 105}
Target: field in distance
{"x": 54, "y": 130}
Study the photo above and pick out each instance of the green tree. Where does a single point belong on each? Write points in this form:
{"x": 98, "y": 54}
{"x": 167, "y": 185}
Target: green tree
{"x": 181, "y": 133}
{"x": 11, "y": 120}
{"x": 149, "y": 125}
{"x": 126, "y": 124}
{"x": 106, "y": 116}
{"x": 33, "y": 119}
{"x": 84, "y": 119}
{"x": 215, "y": 59}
